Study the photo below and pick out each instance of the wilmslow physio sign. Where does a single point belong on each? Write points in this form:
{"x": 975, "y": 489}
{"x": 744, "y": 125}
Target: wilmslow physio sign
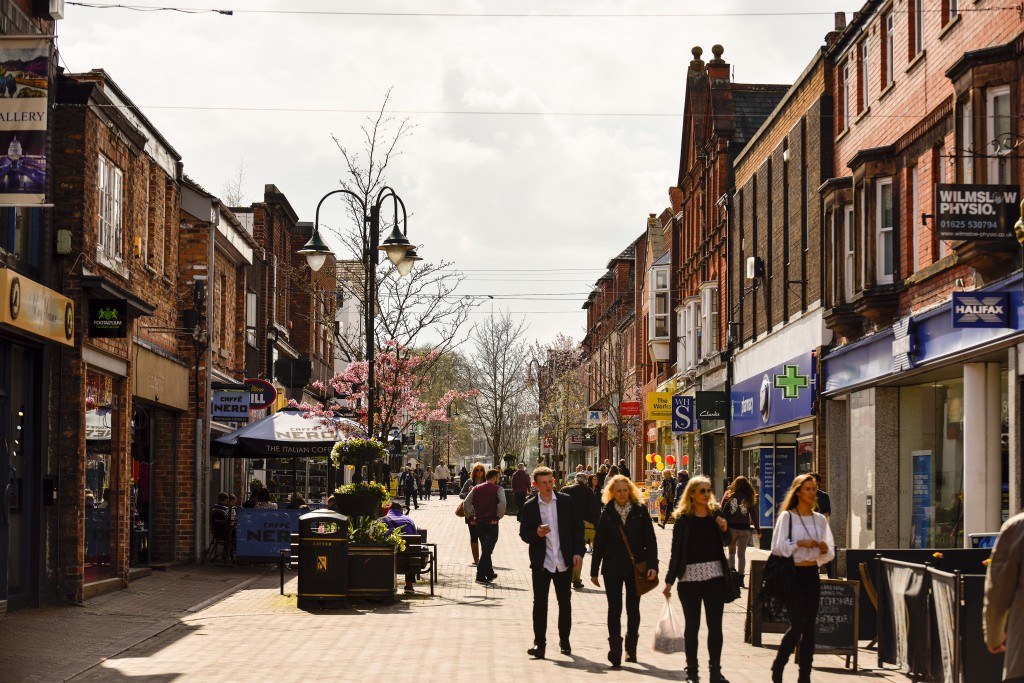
{"x": 976, "y": 212}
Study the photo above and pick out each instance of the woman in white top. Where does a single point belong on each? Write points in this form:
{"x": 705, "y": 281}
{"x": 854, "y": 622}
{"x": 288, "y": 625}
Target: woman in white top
{"x": 804, "y": 535}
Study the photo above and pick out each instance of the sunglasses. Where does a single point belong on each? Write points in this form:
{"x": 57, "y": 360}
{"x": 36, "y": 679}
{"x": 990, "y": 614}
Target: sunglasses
{"x": 703, "y": 491}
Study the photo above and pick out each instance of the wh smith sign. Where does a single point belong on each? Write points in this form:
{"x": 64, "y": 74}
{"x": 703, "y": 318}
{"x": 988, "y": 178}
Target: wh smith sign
{"x": 981, "y": 309}
{"x": 976, "y": 212}
{"x": 682, "y": 414}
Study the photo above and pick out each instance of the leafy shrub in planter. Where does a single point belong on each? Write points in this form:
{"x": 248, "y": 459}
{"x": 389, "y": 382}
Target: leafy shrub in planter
{"x": 356, "y": 452}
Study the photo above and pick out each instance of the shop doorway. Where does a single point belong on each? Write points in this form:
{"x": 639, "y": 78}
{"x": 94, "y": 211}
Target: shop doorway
{"x": 103, "y": 396}
{"x": 141, "y": 500}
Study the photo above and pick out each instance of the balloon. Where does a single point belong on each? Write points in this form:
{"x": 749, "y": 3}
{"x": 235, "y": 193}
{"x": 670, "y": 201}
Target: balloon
{"x": 686, "y": 460}
{"x": 649, "y": 458}
{"x": 660, "y": 466}
{"x": 657, "y": 458}
{"x": 670, "y": 459}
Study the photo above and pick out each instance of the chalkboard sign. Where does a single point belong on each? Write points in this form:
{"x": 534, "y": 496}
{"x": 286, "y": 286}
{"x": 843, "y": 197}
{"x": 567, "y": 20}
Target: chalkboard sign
{"x": 838, "y": 616}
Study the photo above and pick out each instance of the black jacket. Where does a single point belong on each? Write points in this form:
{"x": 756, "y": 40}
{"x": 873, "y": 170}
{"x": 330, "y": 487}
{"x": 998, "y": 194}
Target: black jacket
{"x": 608, "y": 545}
{"x": 570, "y": 530}
{"x": 680, "y": 540}
{"x": 585, "y": 500}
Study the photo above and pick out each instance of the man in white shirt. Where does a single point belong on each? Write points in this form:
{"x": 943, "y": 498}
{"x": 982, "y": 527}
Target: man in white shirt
{"x": 441, "y": 476}
{"x": 553, "y": 528}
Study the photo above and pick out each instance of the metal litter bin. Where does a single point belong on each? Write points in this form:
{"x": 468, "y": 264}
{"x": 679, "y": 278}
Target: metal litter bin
{"x": 323, "y": 557}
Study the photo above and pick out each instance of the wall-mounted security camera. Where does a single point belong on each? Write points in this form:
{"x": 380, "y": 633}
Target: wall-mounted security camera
{"x": 755, "y": 267}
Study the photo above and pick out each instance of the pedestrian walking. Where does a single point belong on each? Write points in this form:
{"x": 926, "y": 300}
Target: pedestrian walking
{"x": 419, "y": 479}
{"x": 682, "y": 479}
{"x": 592, "y": 483}
{"x": 520, "y": 488}
{"x": 586, "y": 504}
{"x": 554, "y": 531}
{"x": 668, "y": 496}
{"x": 463, "y": 477}
{"x": 697, "y": 563}
{"x": 739, "y": 505}
{"x": 623, "y": 470}
{"x": 407, "y": 481}
{"x": 428, "y": 482}
{"x": 1004, "y": 599}
{"x": 625, "y": 533}
{"x": 441, "y": 476}
{"x": 602, "y": 474}
{"x": 485, "y": 506}
{"x": 472, "y": 480}
{"x": 804, "y": 535}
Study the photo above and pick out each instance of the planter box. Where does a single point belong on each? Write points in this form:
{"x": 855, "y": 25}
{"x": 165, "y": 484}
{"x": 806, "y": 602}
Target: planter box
{"x": 371, "y": 572}
{"x": 357, "y": 504}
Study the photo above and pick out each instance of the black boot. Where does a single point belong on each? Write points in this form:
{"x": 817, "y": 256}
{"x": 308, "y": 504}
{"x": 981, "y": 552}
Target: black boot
{"x": 777, "y": 667}
{"x": 716, "y": 674}
{"x": 631, "y": 641}
{"x": 615, "y": 652}
{"x": 805, "y": 676}
{"x": 692, "y": 675}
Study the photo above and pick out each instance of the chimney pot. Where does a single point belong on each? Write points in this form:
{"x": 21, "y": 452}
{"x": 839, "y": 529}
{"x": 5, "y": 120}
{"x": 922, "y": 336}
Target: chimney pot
{"x": 840, "y": 21}
{"x": 717, "y": 51}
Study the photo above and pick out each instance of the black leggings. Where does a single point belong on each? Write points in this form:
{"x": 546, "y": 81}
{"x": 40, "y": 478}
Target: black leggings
{"x": 711, "y": 594}
{"x": 613, "y": 587}
{"x": 803, "y": 619}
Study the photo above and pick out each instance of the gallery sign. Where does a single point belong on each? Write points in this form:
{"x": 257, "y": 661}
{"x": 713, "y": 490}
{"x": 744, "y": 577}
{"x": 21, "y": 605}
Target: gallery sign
{"x": 976, "y": 212}
{"x": 108, "y": 318}
{"x": 24, "y": 94}
{"x": 981, "y": 309}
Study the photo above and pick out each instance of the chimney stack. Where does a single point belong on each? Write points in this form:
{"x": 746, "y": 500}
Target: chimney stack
{"x": 840, "y": 21}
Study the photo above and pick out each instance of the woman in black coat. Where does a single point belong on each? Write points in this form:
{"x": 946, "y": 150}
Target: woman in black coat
{"x": 622, "y": 512}
{"x": 698, "y": 563}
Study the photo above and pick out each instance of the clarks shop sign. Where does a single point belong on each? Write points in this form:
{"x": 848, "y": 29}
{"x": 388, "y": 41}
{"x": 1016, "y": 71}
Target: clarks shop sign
{"x": 976, "y": 212}
{"x": 108, "y": 318}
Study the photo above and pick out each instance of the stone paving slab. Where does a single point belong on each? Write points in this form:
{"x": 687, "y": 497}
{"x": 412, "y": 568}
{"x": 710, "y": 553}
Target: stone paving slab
{"x": 464, "y": 632}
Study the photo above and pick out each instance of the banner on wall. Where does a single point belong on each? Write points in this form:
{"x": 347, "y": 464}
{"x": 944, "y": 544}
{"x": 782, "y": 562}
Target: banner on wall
{"x": 920, "y": 499}
{"x": 24, "y": 93}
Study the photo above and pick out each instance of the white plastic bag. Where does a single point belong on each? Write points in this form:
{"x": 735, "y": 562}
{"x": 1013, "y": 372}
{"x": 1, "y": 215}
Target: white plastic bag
{"x": 668, "y": 637}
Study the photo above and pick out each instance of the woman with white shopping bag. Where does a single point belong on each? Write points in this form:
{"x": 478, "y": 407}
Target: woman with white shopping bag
{"x": 698, "y": 563}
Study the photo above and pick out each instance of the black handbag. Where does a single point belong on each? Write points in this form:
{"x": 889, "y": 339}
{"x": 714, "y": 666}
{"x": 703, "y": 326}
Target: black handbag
{"x": 732, "y": 583}
{"x": 778, "y": 581}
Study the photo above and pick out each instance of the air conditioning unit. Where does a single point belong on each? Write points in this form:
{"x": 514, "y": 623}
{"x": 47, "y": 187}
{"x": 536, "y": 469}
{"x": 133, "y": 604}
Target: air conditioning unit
{"x": 49, "y": 9}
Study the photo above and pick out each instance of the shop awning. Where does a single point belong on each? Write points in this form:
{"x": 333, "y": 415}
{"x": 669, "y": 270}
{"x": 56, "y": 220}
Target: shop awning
{"x": 285, "y": 434}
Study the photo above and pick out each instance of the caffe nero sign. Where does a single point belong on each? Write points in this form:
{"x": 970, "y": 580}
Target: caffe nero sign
{"x": 108, "y": 318}
{"x": 976, "y": 212}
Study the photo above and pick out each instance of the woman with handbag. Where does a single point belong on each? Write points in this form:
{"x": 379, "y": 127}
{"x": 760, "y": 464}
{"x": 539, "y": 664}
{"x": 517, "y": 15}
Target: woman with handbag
{"x": 477, "y": 477}
{"x": 739, "y": 505}
{"x": 624, "y": 542}
{"x": 698, "y": 563}
{"x": 804, "y": 537}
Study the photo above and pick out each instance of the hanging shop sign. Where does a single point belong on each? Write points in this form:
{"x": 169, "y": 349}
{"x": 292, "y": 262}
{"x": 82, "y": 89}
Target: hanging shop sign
{"x": 682, "y": 414}
{"x": 31, "y": 307}
{"x": 974, "y": 309}
{"x": 589, "y": 437}
{"x": 783, "y": 394}
{"x": 652, "y": 433}
{"x": 595, "y": 416}
{"x": 976, "y": 212}
{"x": 231, "y": 406}
{"x": 108, "y": 318}
{"x": 24, "y": 93}
{"x": 629, "y": 409}
{"x": 712, "y": 405}
{"x": 263, "y": 393}
{"x": 659, "y": 405}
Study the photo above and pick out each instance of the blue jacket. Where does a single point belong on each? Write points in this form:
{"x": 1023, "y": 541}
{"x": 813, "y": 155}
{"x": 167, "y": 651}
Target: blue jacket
{"x": 395, "y": 520}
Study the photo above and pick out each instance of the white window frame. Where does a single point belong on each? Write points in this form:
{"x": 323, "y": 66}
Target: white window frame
{"x": 917, "y": 28}
{"x": 849, "y": 252}
{"x": 965, "y": 142}
{"x": 681, "y": 326}
{"x": 846, "y": 95}
{"x": 250, "y": 317}
{"x": 862, "y": 266}
{"x": 144, "y": 240}
{"x": 659, "y": 291}
{"x": 883, "y": 232}
{"x": 709, "y": 319}
{"x": 997, "y": 159}
{"x": 912, "y": 225}
{"x": 888, "y": 43}
{"x": 865, "y": 77}
{"x": 110, "y": 216}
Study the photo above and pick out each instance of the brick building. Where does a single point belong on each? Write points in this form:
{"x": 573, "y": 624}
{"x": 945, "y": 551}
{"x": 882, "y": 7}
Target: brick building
{"x": 720, "y": 117}
{"x": 775, "y": 302}
{"x": 923, "y": 410}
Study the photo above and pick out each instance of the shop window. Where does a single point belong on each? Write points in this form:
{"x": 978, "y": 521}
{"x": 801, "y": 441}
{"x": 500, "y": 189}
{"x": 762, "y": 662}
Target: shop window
{"x": 709, "y": 320}
{"x": 659, "y": 303}
{"x": 884, "y": 228}
{"x": 932, "y": 465}
{"x": 887, "y": 51}
{"x": 102, "y": 460}
{"x": 19, "y": 230}
{"x": 849, "y": 253}
{"x": 965, "y": 141}
{"x": 999, "y": 135}
{"x": 865, "y": 77}
{"x": 109, "y": 225}
{"x": 863, "y": 481}
{"x": 915, "y": 28}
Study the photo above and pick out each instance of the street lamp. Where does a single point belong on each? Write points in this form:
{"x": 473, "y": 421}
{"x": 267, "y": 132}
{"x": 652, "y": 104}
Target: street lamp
{"x": 399, "y": 251}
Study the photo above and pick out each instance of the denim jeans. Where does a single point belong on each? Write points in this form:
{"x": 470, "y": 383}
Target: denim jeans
{"x": 488, "y": 534}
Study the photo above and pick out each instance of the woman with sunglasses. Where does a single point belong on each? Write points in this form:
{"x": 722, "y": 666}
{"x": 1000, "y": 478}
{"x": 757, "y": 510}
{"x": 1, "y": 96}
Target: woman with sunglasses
{"x": 477, "y": 477}
{"x": 698, "y": 537}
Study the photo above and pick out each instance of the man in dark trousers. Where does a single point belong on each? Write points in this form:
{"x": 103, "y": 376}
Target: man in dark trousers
{"x": 623, "y": 470}
{"x": 586, "y": 504}
{"x": 520, "y": 488}
{"x": 553, "y": 529}
{"x": 407, "y": 481}
{"x": 484, "y": 506}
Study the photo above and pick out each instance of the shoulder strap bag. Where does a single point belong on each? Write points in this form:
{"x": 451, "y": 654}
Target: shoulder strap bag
{"x": 640, "y": 580}
{"x": 778, "y": 582}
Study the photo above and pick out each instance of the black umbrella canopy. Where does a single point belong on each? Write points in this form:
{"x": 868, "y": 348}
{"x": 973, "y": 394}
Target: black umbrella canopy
{"x": 286, "y": 434}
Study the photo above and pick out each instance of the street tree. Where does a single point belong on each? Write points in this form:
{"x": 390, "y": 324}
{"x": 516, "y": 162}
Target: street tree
{"x": 561, "y": 389}
{"x": 614, "y": 383}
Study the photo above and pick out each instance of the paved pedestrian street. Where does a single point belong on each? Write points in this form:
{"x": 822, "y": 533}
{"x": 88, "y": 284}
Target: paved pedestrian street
{"x": 230, "y": 623}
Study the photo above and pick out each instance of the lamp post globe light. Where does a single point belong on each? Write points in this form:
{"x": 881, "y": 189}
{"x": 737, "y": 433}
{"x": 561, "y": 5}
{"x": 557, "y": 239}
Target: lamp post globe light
{"x": 398, "y": 250}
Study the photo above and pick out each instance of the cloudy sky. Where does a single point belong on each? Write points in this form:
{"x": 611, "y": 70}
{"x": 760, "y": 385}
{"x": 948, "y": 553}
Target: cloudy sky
{"x": 541, "y": 143}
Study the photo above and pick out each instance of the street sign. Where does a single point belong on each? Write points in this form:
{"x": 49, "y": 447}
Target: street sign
{"x": 420, "y": 447}
{"x": 682, "y": 414}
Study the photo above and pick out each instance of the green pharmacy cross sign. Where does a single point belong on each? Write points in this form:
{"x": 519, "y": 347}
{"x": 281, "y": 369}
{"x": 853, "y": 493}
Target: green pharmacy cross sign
{"x": 791, "y": 382}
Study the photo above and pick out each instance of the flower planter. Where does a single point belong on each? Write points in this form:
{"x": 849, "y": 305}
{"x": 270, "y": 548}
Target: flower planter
{"x": 357, "y": 504}
{"x": 371, "y": 572}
